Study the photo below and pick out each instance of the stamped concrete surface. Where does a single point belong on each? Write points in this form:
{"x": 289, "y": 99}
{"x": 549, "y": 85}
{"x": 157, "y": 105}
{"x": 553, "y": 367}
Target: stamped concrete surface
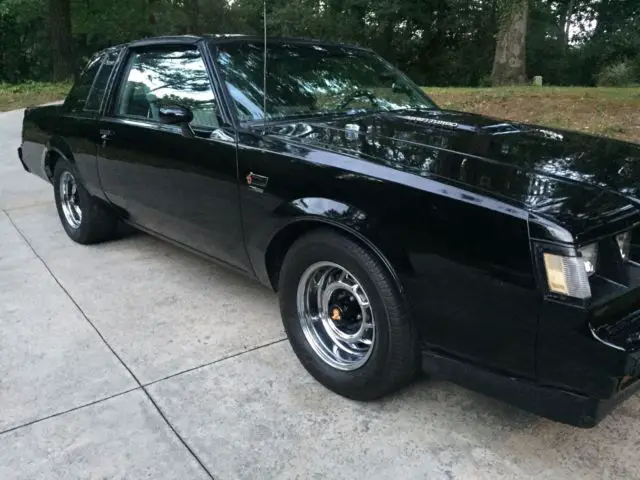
{"x": 133, "y": 359}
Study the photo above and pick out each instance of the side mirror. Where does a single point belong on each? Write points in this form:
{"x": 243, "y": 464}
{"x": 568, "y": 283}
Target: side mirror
{"x": 175, "y": 115}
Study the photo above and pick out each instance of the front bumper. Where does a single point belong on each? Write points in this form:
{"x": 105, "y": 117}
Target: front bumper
{"x": 587, "y": 359}
{"x": 553, "y": 403}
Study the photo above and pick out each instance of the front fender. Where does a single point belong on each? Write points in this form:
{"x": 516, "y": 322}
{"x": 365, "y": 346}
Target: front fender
{"x": 294, "y": 218}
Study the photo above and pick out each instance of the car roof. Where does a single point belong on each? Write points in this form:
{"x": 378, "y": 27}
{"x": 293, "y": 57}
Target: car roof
{"x": 231, "y": 38}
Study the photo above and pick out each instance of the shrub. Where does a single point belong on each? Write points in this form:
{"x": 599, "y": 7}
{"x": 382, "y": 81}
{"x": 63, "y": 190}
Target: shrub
{"x": 485, "y": 81}
{"x": 621, "y": 74}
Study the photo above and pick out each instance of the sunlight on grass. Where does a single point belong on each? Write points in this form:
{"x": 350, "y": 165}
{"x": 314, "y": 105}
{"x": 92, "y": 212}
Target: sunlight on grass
{"x": 613, "y": 112}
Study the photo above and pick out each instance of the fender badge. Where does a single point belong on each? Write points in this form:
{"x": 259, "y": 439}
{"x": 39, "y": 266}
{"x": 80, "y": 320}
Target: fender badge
{"x": 256, "y": 182}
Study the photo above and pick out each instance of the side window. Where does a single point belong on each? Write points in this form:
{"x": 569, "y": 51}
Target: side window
{"x": 101, "y": 81}
{"x": 159, "y": 78}
{"x": 77, "y": 98}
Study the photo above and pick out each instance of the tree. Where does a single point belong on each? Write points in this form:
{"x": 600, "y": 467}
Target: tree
{"x": 509, "y": 64}
{"x": 193, "y": 12}
{"x": 437, "y": 42}
{"x": 61, "y": 39}
{"x": 567, "y": 23}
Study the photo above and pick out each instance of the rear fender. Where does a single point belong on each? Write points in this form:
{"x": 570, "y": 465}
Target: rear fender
{"x": 55, "y": 148}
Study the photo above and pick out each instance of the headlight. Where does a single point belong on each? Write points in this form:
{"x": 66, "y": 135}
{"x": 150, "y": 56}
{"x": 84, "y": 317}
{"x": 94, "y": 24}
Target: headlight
{"x": 589, "y": 255}
{"x": 567, "y": 275}
{"x": 624, "y": 242}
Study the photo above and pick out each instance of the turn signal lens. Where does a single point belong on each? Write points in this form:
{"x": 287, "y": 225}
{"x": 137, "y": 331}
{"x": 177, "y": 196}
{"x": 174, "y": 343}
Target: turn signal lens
{"x": 567, "y": 275}
{"x": 590, "y": 257}
{"x": 624, "y": 242}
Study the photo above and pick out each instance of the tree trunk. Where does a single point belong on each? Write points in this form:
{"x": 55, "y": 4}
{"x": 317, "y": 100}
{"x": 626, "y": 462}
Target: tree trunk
{"x": 605, "y": 16}
{"x": 567, "y": 24}
{"x": 151, "y": 7}
{"x": 193, "y": 14}
{"x": 509, "y": 64}
{"x": 61, "y": 39}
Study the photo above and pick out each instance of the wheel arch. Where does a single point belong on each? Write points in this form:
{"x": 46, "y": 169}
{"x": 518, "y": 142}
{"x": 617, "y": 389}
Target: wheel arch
{"x": 55, "y": 149}
{"x": 363, "y": 232}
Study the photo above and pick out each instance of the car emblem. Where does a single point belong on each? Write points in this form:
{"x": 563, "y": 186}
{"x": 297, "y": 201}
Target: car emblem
{"x": 257, "y": 182}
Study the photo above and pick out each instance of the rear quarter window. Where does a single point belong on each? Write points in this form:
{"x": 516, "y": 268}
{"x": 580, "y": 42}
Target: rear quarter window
{"x": 80, "y": 92}
{"x": 89, "y": 89}
{"x": 101, "y": 81}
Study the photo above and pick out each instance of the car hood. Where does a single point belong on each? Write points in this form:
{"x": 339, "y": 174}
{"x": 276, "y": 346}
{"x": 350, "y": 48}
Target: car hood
{"x": 574, "y": 179}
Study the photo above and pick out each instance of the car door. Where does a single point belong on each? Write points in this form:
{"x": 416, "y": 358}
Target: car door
{"x": 181, "y": 186}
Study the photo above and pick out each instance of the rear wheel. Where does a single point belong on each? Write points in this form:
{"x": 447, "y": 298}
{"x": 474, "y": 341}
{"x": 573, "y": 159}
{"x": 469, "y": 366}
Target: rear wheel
{"x": 85, "y": 219}
{"x": 345, "y": 318}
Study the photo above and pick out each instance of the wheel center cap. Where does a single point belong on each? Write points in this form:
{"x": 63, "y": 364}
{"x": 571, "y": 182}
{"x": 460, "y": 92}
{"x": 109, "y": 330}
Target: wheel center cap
{"x": 336, "y": 314}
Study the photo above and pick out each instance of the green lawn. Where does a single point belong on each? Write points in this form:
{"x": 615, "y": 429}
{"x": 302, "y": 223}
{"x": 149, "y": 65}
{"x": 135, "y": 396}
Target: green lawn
{"x": 614, "y": 112}
{"x": 34, "y": 93}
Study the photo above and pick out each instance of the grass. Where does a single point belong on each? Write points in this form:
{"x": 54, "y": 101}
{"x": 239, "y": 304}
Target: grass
{"x": 613, "y": 112}
{"x": 23, "y": 95}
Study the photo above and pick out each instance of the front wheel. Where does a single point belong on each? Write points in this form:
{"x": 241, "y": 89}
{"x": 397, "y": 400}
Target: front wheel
{"x": 84, "y": 218}
{"x": 344, "y": 317}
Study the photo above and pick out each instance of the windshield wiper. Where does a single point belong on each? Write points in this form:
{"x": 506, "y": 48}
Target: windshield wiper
{"x": 417, "y": 108}
{"x": 311, "y": 115}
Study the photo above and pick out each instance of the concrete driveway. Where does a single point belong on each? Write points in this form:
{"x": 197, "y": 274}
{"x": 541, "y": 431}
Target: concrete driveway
{"x": 133, "y": 359}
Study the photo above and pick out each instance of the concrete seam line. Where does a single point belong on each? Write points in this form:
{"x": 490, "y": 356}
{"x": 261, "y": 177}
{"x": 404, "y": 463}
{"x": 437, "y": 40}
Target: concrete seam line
{"x": 25, "y": 207}
{"x": 166, "y": 420}
{"x": 63, "y": 412}
{"x": 219, "y": 360}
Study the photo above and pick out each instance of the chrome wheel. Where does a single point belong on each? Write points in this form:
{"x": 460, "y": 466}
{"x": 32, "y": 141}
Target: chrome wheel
{"x": 70, "y": 200}
{"x": 336, "y": 316}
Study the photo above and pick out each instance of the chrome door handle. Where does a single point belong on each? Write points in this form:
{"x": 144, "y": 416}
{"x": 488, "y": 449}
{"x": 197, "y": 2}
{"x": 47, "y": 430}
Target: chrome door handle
{"x": 106, "y": 135}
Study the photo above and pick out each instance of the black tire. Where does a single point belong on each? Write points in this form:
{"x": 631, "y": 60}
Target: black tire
{"x": 393, "y": 361}
{"x": 97, "y": 224}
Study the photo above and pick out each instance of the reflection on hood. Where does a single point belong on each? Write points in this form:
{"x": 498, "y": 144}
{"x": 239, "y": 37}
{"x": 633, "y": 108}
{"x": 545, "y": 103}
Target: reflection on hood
{"x": 546, "y": 170}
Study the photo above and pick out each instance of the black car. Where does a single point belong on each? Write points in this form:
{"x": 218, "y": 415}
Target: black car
{"x": 399, "y": 236}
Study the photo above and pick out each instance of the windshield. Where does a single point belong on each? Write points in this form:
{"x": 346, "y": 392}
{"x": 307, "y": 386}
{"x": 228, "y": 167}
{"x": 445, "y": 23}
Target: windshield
{"x": 307, "y": 80}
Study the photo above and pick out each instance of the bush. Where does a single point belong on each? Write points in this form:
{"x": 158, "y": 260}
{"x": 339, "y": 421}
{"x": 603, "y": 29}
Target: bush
{"x": 485, "y": 81}
{"x": 621, "y": 74}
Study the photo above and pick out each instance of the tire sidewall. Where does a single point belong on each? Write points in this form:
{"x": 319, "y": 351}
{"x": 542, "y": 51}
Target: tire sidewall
{"x": 344, "y": 382}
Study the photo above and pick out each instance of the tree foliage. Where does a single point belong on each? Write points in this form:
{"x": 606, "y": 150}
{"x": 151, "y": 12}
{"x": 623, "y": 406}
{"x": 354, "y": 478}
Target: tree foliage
{"x": 437, "y": 42}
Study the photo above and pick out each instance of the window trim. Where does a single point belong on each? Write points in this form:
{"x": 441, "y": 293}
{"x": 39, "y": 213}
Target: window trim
{"x": 93, "y": 85}
{"x": 227, "y": 112}
{"x": 104, "y": 56}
